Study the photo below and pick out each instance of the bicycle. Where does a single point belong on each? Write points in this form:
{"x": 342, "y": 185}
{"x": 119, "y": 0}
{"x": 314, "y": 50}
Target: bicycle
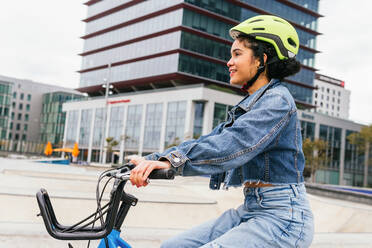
{"x": 111, "y": 215}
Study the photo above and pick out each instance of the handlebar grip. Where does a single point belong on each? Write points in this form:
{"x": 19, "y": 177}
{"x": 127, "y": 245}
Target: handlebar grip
{"x": 162, "y": 174}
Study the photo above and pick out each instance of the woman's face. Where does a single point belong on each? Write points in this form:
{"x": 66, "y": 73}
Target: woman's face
{"x": 242, "y": 65}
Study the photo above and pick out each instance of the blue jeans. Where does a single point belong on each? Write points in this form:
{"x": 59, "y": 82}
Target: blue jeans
{"x": 277, "y": 216}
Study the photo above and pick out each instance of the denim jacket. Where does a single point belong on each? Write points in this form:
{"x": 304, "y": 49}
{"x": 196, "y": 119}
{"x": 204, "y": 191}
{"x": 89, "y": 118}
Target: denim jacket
{"x": 260, "y": 142}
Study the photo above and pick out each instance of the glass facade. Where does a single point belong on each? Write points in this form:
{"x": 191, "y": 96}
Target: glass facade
{"x": 144, "y": 68}
{"x": 52, "y": 119}
{"x": 72, "y": 124}
{"x": 175, "y": 126}
{"x": 133, "y": 127}
{"x": 203, "y": 68}
{"x": 198, "y": 119}
{"x": 220, "y": 113}
{"x": 85, "y": 127}
{"x": 153, "y": 123}
{"x": 332, "y": 136}
{"x": 5, "y": 106}
{"x": 307, "y": 130}
{"x": 124, "y": 15}
{"x": 152, "y": 46}
{"x": 116, "y": 123}
{"x": 220, "y": 28}
{"x": 139, "y": 29}
{"x": 353, "y": 162}
{"x": 99, "y": 123}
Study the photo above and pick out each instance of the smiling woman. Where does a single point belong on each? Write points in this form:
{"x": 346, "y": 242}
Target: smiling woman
{"x": 259, "y": 146}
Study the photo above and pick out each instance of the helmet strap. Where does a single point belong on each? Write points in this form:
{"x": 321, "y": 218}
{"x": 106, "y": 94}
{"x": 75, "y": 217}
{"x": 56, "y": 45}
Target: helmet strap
{"x": 260, "y": 69}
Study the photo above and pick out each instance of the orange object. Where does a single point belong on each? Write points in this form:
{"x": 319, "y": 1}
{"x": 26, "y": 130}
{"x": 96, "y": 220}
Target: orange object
{"x": 70, "y": 150}
{"x": 48, "y": 149}
{"x": 75, "y": 151}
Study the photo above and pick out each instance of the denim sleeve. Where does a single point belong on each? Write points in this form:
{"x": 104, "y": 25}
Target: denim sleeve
{"x": 234, "y": 146}
{"x": 157, "y": 155}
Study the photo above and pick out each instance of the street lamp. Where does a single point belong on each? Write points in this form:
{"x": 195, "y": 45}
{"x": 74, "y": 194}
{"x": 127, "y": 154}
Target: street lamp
{"x": 106, "y": 85}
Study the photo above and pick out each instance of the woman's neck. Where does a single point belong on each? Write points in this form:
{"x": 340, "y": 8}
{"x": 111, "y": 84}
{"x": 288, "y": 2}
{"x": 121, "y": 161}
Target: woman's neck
{"x": 260, "y": 82}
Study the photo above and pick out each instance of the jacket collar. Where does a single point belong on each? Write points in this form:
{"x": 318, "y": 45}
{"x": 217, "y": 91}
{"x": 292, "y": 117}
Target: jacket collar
{"x": 250, "y": 100}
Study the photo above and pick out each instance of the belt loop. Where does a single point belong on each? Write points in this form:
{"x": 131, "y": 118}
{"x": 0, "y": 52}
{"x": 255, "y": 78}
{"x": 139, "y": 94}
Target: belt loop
{"x": 256, "y": 193}
{"x": 295, "y": 190}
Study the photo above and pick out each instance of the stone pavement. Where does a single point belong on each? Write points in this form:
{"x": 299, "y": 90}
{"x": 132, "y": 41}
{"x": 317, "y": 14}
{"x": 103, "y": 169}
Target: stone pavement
{"x": 157, "y": 215}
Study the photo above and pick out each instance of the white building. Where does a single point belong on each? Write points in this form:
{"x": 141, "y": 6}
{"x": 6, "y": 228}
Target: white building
{"x": 331, "y": 97}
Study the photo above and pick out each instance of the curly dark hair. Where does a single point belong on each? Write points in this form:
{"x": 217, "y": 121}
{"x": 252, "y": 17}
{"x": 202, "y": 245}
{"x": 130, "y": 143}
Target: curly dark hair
{"x": 276, "y": 68}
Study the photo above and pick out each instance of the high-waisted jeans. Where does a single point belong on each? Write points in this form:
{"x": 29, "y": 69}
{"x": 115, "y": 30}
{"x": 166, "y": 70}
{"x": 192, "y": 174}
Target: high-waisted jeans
{"x": 277, "y": 216}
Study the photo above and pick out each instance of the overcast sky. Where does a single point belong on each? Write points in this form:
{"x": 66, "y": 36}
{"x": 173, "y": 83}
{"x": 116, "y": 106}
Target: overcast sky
{"x": 40, "y": 41}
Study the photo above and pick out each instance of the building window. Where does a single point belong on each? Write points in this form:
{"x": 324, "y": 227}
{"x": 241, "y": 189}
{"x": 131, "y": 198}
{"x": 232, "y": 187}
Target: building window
{"x": 10, "y": 136}
{"x": 328, "y": 90}
{"x": 175, "y": 125}
{"x": 327, "y": 98}
{"x": 12, "y": 115}
{"x": 28, "y": 107}
{"x": 28, "y": 97}
{"x": 22, "y": 96}
{"x": 11, "y": 126}
{"x": 322, "y": 97}
{"x": 316, "y": 95}
{"x": 198, "y": 120}
{"x": 153, "y": 126}
{"x": 23, "y": 136}
{"x": 316, "y": 103}
{"x": 322, "y": 89}
{"x": 338, "y": 101}
{"x": 339, "y": 93}
{"x": 16, "y": 136}
{"x": 98, "y": 127}
{"x": 25, "y": 127}
{"x": 338, "y": 108}
{"x": 71, "y": 127}
{"x": 26, "y": 117}
{"x": 220, "y": 113}
{"x": 333, "y": 107}
{"x": 321, "y": 104}
{"x": 327, "y": 105}
{"x": 116, "y": 123}
{"x": 18, "y": 126}
{"x": 14, "y": 94}
{"x": 19, "y": 117}
{"x": 133, "y": 127}
{"x": 334, "y": 92}
{"x": 13, "y": 104}
{"x": 85, "y": 125}
{"x": 20, "y": 106}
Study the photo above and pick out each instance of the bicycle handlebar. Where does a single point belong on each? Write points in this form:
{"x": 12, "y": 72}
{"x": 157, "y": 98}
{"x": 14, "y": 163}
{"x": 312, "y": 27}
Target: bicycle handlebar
{"x": 76, "y": 232}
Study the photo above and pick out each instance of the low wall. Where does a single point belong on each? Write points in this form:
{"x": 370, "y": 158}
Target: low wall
{"x": 333, "y": 192}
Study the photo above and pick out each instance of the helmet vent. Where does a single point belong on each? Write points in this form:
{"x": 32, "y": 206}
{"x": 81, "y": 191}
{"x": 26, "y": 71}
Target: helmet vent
{"x": 277, "y": 20}
{"x": 258, "y": 28}
{"x": 292, "y": 42}
{"x": 258, "y": 20}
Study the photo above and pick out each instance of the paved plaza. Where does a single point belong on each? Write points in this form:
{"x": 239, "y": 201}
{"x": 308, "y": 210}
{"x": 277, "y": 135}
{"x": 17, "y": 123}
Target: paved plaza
{"x": 165, "y": 208}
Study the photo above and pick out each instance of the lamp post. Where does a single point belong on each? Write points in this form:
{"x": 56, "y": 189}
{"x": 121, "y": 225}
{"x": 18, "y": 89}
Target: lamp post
{"x": 107, "y": 87}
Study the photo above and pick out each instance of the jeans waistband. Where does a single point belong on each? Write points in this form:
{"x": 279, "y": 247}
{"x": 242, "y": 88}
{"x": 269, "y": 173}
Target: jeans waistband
{"x": 293, "y": 189}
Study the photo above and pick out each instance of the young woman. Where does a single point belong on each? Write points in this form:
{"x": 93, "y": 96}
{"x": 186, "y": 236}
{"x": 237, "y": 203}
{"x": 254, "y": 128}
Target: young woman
{"x": 259, "y": 146}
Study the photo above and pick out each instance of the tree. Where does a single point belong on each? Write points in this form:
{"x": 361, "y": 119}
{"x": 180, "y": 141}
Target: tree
{"x": 315, "y": 156}
{"x": 363, "y": 141}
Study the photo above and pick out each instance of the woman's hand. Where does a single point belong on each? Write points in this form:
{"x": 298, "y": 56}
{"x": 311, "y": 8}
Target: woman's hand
{"x": 140, "y": 173}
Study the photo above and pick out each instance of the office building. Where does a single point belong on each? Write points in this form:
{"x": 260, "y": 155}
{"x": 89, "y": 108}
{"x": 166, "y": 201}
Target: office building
{"x": 331, "y": 97}
{"x": 23, "y": 107}
{"x": 139, "y": 45}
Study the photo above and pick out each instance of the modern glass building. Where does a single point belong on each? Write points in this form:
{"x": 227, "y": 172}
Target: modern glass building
{"x": 139, "y": 45}
{"x": 52, "y": 119}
